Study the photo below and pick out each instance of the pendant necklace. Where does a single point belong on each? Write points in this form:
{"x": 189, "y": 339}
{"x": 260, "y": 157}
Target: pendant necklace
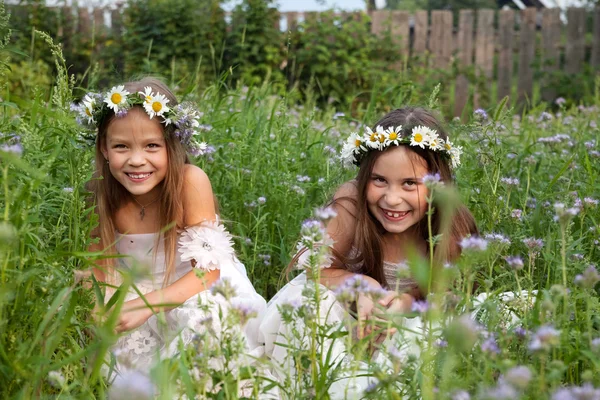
{"x": 143, "y": 210}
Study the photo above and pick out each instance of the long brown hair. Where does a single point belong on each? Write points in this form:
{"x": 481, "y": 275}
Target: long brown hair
{"x": 109, "y": 195}
{"x": 368, "y": 238}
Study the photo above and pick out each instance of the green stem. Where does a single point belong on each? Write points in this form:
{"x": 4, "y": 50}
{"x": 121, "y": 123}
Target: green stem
{"x": 430, "y": 233}
{"x": 6, "y": 192}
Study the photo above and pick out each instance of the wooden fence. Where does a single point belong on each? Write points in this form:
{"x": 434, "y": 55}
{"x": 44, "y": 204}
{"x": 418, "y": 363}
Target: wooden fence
{"x": 501, "y": 45}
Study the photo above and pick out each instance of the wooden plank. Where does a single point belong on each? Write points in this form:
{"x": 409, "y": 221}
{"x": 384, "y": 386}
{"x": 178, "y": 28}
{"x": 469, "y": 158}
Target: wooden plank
{"x": 506, "y": 26}
{"x": 380, "y": 22}
{"x": 292, "y": 20}
{"x": 83, "y": 22}
{"x": 526, "y": 55}
{"x": 98, "y": 20}
{"x": 465, "y": 37}
{"x": 440, "y": 42}
{"x": 421, "y": 31}
{"x": 595, "y": 58}
{"x": 551, "y": 28}
{"x": 465, "y": 58}
{"x": 484, "y": 42}
{"x": 116, "y": 26}
{"x": 116, "y": 22}
{"x": 575, "y": 51}
{"x": 401, "y": 30}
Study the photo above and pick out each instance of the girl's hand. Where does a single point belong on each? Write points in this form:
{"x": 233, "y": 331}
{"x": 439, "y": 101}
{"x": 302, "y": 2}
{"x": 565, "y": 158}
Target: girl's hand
{"x": 133, "y": 314}
{"x": 373, "y": 319}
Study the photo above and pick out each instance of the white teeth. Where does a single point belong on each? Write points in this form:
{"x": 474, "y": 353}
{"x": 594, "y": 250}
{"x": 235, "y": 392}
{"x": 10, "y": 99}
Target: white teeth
{"x": 139, "y": 176}
{"x": 394, "y": 214}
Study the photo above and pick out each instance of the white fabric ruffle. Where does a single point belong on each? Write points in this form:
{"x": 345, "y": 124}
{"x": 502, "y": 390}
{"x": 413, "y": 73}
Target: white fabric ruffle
{"x": 209, "y": 244}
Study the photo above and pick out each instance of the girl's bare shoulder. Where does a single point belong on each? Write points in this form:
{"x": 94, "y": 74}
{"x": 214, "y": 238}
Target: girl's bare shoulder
{"x": 198, "y": 198}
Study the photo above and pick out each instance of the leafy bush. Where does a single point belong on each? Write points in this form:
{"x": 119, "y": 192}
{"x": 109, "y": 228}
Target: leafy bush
{"x": 180, "y": 39}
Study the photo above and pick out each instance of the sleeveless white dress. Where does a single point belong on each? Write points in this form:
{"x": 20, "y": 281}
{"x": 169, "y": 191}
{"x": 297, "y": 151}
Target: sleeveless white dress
{"x": 159, "y": 337}
{"x": 278, "y": 336}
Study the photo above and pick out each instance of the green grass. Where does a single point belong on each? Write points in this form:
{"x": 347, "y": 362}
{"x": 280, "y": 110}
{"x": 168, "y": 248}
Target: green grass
{"x": 264, "y": 147}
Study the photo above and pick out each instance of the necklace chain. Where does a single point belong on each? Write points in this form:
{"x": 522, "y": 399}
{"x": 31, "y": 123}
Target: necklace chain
{"x": 143, "y": 210}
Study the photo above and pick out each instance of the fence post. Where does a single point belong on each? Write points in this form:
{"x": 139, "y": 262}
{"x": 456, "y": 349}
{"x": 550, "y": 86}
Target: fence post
{"x": 506, "y": 26}
{"x": 551, "y": 28}
{"x": 401, "y": 30}
{"x": 526, "y": 53}
{"x": 116, "y": 26}
{"x": 421, "y": 31}
{"x": 484, "y": 51}
{"x": 575, "y": 51}
{"x": 440, "y": 41}
{"x": 292, "y": 20}
{"x": 595, "y": 58}
{"x": 464, "y": 46}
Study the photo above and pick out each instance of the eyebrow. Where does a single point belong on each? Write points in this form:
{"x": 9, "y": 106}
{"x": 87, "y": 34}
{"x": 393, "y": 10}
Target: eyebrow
{"x": 411, "y": 178}
{"x": 117, "y": 138}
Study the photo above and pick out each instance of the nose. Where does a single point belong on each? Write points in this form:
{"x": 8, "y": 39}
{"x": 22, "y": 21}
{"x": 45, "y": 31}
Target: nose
{"x": 137, "y": 158}
{"x": 393, "y": 197}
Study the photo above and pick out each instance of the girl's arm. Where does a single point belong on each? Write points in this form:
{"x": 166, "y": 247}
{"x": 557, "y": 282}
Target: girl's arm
{"x": 198, "y": 206}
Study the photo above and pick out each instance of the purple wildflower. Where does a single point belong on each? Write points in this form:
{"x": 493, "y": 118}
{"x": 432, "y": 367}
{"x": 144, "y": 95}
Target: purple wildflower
{"x": 432, "y": 180}
{"x": 514, "y": 262}
{"x": 545, "y": 338}
{"x": 510, "y": 181}
{"x": 461, "y": 395}
{"x": 589, "y": 278}
{"x": 325, "y": 213}
{"x": 12, "y": 148}
{"x": 533, "y": 244}
{"x": 261, "y": 200}
{"x": 518, "y": 377}
{"x": 420, "y": 306}
{"x": 560, "y": 101}
{"x": 585, "y": 392}
{"x": 480, "y": 114}
{"x": 497, "y": 237}
{"x": 516, "y": 213}
{"x": 474, "y": 243}
{"x": 520, "y": 332}
{"x": 490, "y": 346}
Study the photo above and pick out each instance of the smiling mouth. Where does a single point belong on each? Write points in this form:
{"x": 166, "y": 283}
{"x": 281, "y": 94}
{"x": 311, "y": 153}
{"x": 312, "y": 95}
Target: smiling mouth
{"x": 395, "y": 215}
{"x": 138, "y": 176}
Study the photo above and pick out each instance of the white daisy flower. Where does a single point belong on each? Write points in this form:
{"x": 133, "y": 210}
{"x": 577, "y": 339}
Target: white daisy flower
{"x": 147, "y": 94}
{"x": 455, "y": 153}
{"x": 347, "y": 154}
{"x": 87, "y": 111}
{"x": 393, "y": 135}
{"x": 157, "y": 106}
{"x": 435, "y": 142}
{"x": 117, "y": 98}
{"x": 420, "y": 136}
{"x": 372, "y": 139}
{"x": 448, "y": 145}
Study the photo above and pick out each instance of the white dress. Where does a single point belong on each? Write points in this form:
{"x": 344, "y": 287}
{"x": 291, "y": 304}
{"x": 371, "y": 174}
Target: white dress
{"x": 159, "y": 337}
{"x": 279, "y": 336}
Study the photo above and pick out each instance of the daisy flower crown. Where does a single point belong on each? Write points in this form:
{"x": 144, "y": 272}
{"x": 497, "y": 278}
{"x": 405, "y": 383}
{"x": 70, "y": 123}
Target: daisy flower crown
{"x": 185, "y": 117}
{"x": 357, "y": 146}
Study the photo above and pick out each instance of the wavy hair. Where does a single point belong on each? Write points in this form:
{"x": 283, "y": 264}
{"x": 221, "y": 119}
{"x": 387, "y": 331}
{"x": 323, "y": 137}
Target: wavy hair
{"x": 368, "y": 238}
{"x": 108, "y": 195}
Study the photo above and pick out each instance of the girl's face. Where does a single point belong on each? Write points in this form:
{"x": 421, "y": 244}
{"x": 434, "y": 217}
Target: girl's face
{"x": 396, "y": 196}
{"x": 136, "y": 151}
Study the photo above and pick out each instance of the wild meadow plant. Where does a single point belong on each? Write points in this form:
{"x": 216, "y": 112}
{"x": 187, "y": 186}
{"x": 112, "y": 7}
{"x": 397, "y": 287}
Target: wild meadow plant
{"x": 516, "y": 317}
